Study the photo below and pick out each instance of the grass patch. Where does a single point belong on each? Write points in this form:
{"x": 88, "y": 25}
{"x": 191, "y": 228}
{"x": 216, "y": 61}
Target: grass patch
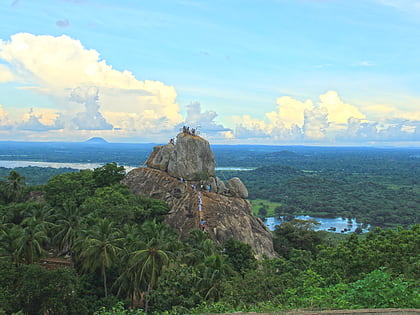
{"x": 269, "y": 206}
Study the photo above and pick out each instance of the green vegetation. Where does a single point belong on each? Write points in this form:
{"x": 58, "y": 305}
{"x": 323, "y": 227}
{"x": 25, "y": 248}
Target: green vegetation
{"x": 36, "y": 175}
{"x": 264, "y": 208}
{"x": 201, "y": 176}
{"x": 380, "y": 188}
{"x": 123, "y": 260}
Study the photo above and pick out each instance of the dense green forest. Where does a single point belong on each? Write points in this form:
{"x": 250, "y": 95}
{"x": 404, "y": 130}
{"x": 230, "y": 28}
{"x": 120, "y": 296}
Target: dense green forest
{"x": 123, "y": 260}
{"x": 381, "y": 188}
{"x": 36, "y": 175}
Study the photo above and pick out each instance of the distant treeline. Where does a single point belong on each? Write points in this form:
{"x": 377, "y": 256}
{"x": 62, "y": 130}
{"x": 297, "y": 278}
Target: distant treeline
{"x": 36, "y": 175}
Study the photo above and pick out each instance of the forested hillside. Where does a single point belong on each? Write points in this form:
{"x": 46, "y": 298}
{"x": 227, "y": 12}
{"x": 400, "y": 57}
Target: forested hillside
{"x": 118, "y": 255}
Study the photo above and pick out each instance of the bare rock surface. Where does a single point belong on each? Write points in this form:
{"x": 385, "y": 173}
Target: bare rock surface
{"x": 224, "y": 216}
{"x": 237, "y": 188}
{"x": 192, "y": 157}
{"x": 159, "y": 158}
{"x": 218, "y": 185}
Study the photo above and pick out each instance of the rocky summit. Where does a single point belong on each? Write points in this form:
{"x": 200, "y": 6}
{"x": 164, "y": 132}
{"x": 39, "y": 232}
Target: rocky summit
{"x": 182, "y": 173}
{"x": 190, "y": 158}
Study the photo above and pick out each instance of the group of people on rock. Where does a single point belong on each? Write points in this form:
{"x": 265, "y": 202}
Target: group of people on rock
{"x": 200, "y": 200}
{"x": 200, "y": 203}
{"x": 186, "y": 129}
{"x": 194, "y": 187}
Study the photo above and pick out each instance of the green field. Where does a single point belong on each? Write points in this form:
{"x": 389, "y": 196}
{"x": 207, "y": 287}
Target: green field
{"x": 261, "y": 203}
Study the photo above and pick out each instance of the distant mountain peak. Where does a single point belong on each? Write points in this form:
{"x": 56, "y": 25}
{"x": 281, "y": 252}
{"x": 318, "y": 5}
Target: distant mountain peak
{"x": 96, "y": 140}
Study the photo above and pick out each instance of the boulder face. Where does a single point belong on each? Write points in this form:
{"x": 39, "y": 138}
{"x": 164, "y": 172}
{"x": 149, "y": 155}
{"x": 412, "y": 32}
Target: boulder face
{"x": 182, "y": 174}
{"x": 224, "y": 217}
{"x": 190, "y": 158}
{"x": 160, "y": 156}
{"x": 237, "y": 188}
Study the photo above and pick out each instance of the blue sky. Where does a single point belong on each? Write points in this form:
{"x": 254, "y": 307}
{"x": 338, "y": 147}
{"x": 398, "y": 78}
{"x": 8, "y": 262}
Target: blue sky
{"x": 270, "y": 71}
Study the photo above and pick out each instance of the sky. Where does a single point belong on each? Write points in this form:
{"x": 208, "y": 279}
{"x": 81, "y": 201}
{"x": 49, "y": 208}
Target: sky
{"x": 304, "y": 72}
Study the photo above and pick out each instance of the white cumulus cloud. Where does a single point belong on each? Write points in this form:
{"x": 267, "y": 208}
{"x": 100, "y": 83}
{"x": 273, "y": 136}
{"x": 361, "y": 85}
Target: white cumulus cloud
{"x": 56, "y": 66}
{"x": 330, "y": 120}
{"x": 5, "y": 122}
{"x": 204, "y": 121}
{"x": 338, "y": 111}
{"x": 91, "y": 118}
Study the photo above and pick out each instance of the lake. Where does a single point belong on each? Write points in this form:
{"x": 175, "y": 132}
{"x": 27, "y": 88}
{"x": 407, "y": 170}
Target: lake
{"x": 326, "y": 223}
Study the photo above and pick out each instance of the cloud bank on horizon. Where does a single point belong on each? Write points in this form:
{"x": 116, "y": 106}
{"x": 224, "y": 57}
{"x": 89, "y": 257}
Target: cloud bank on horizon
{"x": 77, "y": 95}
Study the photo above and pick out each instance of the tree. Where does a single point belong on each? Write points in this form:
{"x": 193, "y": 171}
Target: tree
{"x": 69, "y": 226}
{"x": 380, "y": 290}
{"x": 9, "y": 242}
{"x": 298, "y": 234}
{"x": 239, "y": 255}
{"x": 108, "y": 175}
{"x": 69, "y": 188}
{"x": 146, "y": 261}
{"x": 32, "y": 241}
{"x": 9, "y": 275}
{"x": 40, "y": 214}
{"x": 13, "y": 187}
{"x": 262, "y": 211}
{"x": 212, "y": 272}
{"x": 42, "y": 291}
{"x": 350, "y": 260}
{"x": 200, "y": 247}
{"x": 178, "y": 287}
{"x": 150, "y": 262}
{"x": 100, "y": 248}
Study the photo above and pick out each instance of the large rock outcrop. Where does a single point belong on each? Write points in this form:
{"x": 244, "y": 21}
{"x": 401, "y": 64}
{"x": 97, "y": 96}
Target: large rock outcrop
{"x": 180, "y": 174}
{"x": 191, "y": 158}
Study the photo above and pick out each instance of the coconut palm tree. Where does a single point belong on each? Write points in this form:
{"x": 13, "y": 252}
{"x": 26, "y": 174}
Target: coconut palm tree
{"x": 144, "y": 268}
{"x": 13, "y": 186}
{"x": 200, "y": 247}
{"x": 30, "y": 244}
{"x": 100, "y": 248}
{"x": 146, "y": 259}
{"x": 69, "y": 226}
{"x": 40, "y": 213}
{"x": 214, "y": 269}
{"x": 9, "y": 236}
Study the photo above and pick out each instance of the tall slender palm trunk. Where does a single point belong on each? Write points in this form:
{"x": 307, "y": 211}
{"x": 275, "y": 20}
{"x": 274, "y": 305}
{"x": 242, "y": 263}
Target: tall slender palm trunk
{"x": 104, "y": 278}
{"x": 146, "y": 306}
